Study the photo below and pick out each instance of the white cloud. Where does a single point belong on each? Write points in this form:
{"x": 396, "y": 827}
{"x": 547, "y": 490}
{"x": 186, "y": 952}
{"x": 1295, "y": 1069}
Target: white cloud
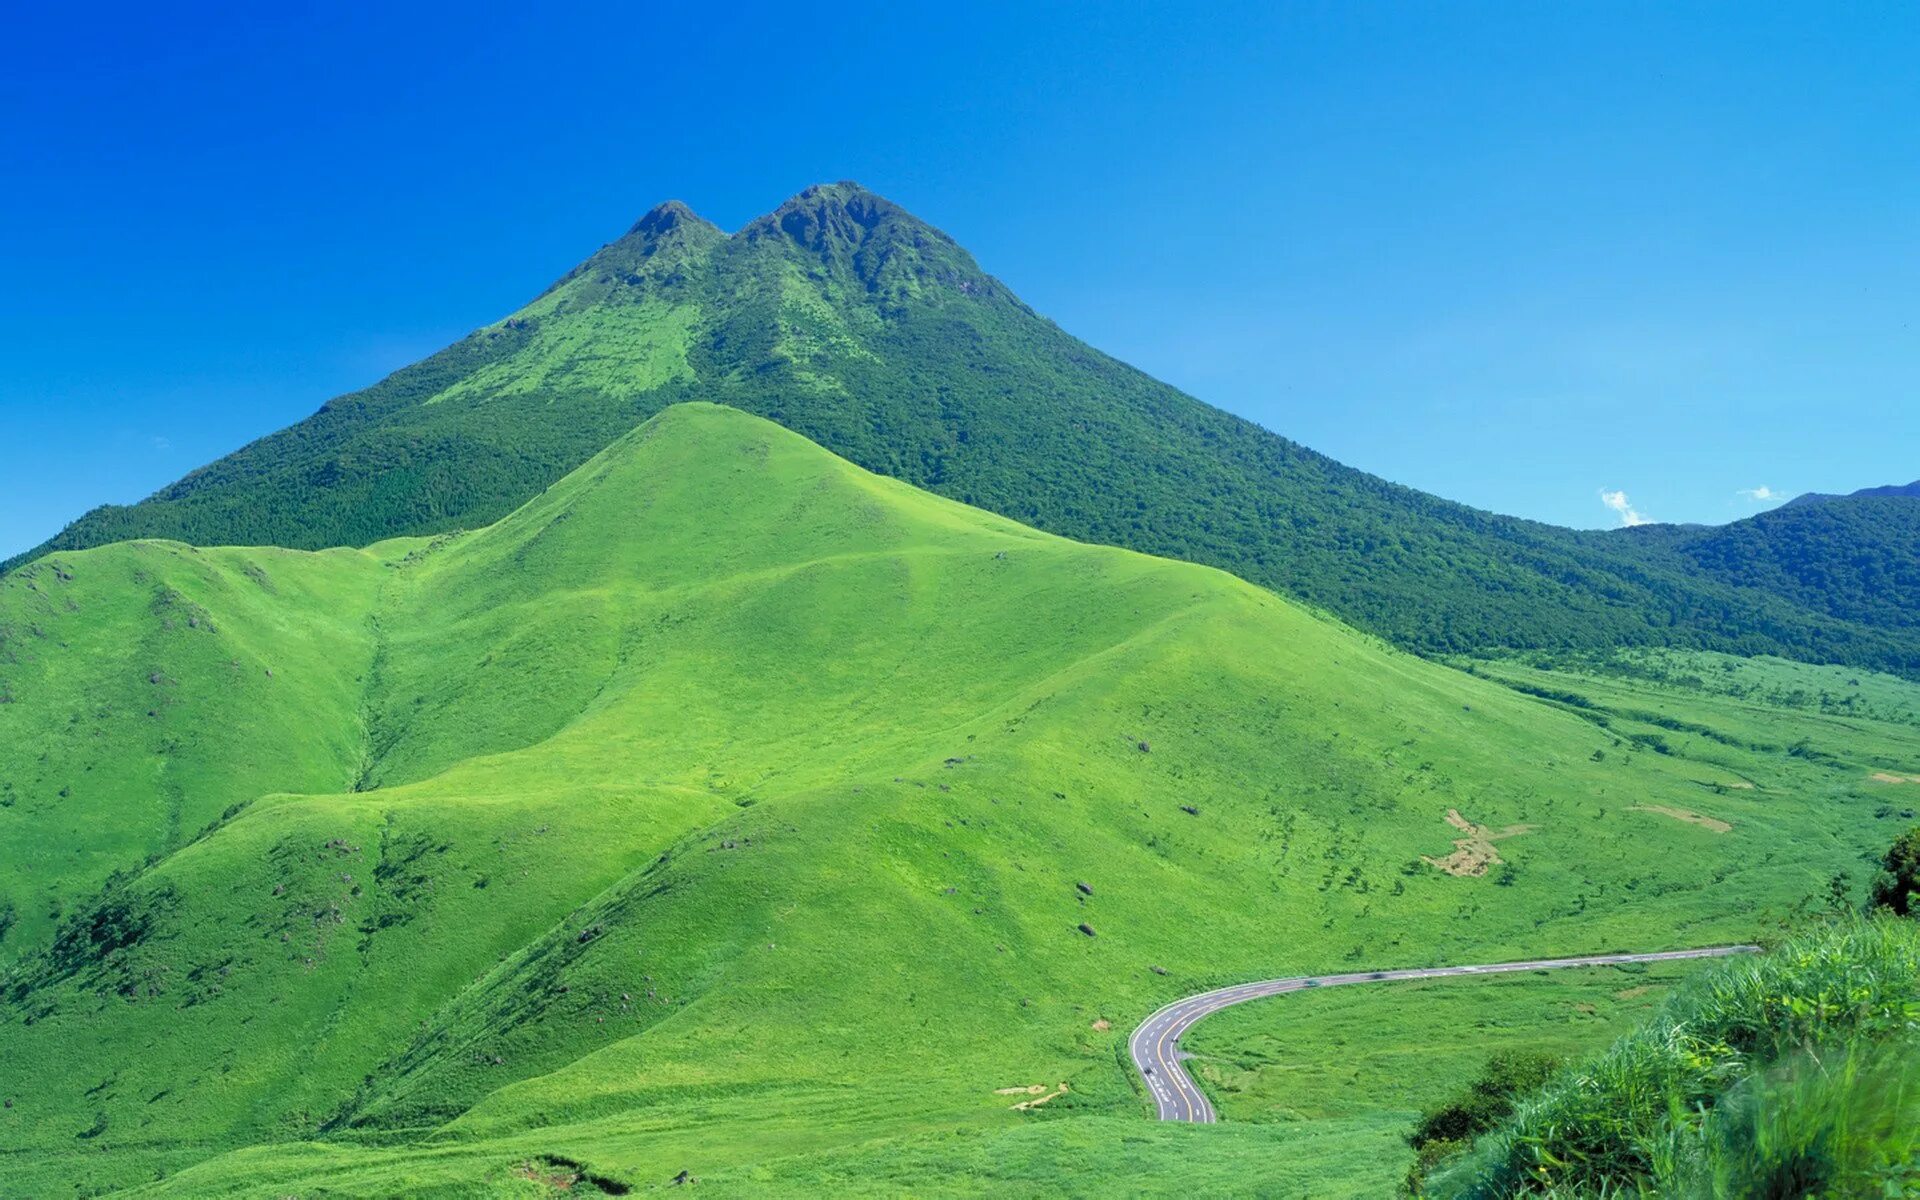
{"x": 162, "y": 444}
{"x": 1760, "y": 495}
{"x": 1617, "y": 501}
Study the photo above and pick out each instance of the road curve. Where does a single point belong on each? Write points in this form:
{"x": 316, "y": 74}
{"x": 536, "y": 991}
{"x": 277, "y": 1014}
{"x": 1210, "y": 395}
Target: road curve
{"x": 1155, "y": 1046}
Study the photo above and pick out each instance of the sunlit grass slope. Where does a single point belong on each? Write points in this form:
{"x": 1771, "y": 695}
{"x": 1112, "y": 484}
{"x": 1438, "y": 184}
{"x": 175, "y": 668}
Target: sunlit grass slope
{"x": 1756, "y": 731}
{"x": 146, "y": 688}
{"x": 730, "y": 809}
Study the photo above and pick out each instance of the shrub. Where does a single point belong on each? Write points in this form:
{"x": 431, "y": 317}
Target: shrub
{"x": 1451, "y": 1126}
{"x": 1897, "y": 886}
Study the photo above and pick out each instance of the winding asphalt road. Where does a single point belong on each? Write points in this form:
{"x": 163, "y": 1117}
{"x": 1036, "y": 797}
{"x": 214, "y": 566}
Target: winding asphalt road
{"x": 1155, "y": 1046}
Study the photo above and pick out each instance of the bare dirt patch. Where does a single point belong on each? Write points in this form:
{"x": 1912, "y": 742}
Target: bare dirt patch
{"x": 1632, "y": 993}
{"x": 1474, "y": 853}
{"x": 1890, "y": 777}
{"x": 1037, "y": 1091}
{"x": 1102, "y": 1025}
{"x": 557, "y": 1178}
{"x": 1681, "y": 814}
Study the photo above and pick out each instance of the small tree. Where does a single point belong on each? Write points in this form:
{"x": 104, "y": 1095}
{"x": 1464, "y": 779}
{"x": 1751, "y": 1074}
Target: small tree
{"x": 1839, "y": 891}
{"x": 1897, "y": 887}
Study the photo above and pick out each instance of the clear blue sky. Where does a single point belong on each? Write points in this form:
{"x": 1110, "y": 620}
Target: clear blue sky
{"x": 1516, "y": 254}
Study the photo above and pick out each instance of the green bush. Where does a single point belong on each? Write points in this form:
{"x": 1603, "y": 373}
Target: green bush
{"x": 1898, "y": 883}
{"x": 1450, "y": 1127}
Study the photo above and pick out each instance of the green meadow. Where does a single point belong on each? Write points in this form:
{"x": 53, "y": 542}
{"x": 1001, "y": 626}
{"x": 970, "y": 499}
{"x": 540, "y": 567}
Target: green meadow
{"x": 726, "y": 808}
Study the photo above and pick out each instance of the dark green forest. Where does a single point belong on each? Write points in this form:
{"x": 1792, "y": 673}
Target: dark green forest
{"x": 848, "y": 320}
{"x": 1855, "y": 557}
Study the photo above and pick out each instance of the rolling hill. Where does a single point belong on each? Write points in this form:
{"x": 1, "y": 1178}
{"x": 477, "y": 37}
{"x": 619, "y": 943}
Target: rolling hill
{"x": 848, "y": 320}
{"x": 729, "y": 809}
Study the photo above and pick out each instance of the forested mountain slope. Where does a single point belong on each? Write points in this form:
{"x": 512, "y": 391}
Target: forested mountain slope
{"x": 1852, "y": 557}
{"x": 851, "y": 322}
{"x": 1889, "y": 489}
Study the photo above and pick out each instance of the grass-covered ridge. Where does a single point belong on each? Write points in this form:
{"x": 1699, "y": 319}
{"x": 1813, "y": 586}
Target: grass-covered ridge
{"x": 725, "y": 809}
{"x": 846, "y": 319}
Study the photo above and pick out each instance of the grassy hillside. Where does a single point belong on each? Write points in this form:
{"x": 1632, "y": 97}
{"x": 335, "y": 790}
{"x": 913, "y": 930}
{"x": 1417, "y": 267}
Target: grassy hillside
{"x": 846, "y": 319}
{"x": 725, "y": 809}
{"x": 147, "y": 689}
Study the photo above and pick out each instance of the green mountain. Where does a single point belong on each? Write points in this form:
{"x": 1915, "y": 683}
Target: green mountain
{"x": 729, "y": 809}
{"x": 1854, "y": 558}
{"x": 1890, "y": 489}
{"x": 847, "y": 320}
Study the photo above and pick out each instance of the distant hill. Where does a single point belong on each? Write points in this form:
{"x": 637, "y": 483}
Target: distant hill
{"x": 729, "y": 810}
{"x": 1891, "y": 489}
{"x": 1855, "y": 558}
{"x": 848, "y": 320}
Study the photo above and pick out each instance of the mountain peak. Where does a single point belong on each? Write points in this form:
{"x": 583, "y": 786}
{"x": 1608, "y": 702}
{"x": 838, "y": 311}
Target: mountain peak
{"x": 844, "y": 211}
{"x": 659, "y": 246}
{"x": 662, "y": 219}
{"x": 846, "y": 194}
{"x": 845, "y": 230}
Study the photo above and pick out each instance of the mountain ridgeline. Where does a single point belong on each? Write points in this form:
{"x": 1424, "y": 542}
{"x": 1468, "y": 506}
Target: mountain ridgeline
{"x": 1889, "y": 489}
{"x": 846, "y": 319}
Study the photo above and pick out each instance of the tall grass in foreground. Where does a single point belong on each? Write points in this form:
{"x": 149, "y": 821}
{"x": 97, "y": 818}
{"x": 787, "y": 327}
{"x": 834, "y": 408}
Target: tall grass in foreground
{"x": 1842, "y": 1123}
{"x": 1795, "y": 1073}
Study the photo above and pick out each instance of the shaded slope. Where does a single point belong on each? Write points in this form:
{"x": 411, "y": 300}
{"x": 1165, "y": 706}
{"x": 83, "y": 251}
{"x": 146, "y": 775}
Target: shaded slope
{"x": 724, "y": 807}
{"x": 846, "y": 319}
